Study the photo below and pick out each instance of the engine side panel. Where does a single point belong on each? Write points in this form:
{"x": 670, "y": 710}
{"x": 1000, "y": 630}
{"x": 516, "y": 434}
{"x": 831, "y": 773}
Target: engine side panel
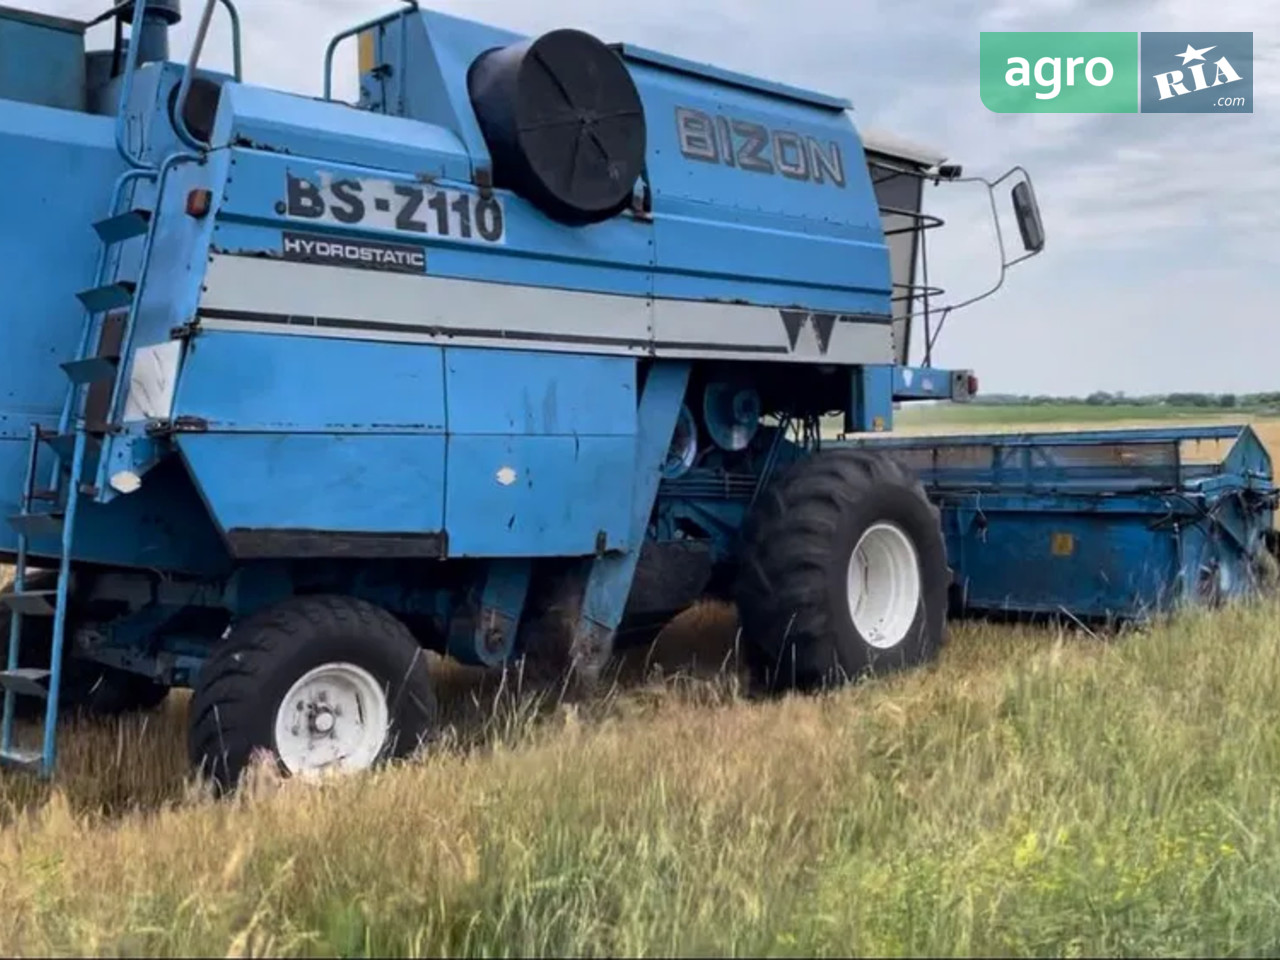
{"x": 310, "y": 447}
{"x": 542, "y": 453}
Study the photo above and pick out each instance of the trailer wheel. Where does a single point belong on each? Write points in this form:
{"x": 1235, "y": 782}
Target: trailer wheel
{"x": 88, "y": 689}
{"x": 844, "y": 572}
{"x": 321, "y": 684}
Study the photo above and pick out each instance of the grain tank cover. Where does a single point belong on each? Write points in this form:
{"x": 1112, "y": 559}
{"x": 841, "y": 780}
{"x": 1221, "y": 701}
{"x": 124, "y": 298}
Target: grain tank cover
{"x": 563, "y": 122}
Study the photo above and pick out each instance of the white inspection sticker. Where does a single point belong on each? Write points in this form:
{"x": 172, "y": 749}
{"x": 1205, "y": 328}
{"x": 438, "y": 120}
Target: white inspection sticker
{"x": 152, "y": 378}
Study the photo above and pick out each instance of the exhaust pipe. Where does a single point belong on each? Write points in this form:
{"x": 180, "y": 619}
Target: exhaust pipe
{"x": 152, "y": 34}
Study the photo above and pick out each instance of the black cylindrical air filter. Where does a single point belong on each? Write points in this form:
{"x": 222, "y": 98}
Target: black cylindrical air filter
{"x": 564, "y": 124}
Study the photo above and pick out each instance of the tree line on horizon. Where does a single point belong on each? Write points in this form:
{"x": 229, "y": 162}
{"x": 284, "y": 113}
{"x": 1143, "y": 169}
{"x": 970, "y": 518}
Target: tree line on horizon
{"x": 1102, "y": 398}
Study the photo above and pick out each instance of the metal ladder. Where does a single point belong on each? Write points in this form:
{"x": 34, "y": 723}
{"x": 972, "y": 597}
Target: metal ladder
{"x": 78, "y": 439}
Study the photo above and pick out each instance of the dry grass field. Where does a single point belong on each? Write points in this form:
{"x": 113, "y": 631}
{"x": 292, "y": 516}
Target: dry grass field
{"x": 1033, "y": 793}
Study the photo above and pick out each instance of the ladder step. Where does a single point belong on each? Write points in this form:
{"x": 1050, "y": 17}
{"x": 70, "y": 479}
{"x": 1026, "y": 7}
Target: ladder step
{"x": 91, "y": 369}
{"x": 29, "y": 760}
{"x": 27, "y": 682}
{"x": 123, "y": 226}
{"x": 32, "y": 603}
{"x": 45, "y": 496}
{"x": 63, "y": 444}
{"x": 37, "y": 524}
{"x": 112, "y": 296}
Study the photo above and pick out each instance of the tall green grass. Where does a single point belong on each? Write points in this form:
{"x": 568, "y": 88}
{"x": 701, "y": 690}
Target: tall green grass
{"x": 1032, "y": 794}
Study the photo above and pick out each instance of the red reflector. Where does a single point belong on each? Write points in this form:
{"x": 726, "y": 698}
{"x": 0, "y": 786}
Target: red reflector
{"x": 198, "y": 203}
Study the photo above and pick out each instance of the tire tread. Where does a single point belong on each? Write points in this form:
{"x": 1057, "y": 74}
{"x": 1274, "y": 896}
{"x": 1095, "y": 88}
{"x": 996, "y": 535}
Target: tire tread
{"x": 789, "y": 634}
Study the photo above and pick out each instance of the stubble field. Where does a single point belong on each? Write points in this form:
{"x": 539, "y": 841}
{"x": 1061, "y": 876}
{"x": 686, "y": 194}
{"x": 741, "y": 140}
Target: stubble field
{"x": 1035, "y": 792}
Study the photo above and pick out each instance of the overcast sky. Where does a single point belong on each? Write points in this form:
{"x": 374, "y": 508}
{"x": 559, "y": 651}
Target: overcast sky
{"x": 1162, "y": 266}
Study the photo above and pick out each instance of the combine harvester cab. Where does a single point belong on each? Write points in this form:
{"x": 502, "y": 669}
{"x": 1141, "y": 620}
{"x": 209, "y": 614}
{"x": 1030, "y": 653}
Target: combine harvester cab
{"x": 531, "y": 345}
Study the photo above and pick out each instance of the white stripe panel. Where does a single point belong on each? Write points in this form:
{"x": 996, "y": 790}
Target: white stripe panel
{"x": 261, "y": 285}
{"x": 699, "y": 324}
{"x": 265, "y": 286}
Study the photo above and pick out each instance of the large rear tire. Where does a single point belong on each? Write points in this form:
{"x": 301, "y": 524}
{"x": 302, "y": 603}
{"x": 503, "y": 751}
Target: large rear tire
{"x": 844, "y": 573}
{"x": 317, "y": 683}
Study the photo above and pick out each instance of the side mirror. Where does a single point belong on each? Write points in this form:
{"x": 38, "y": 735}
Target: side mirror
{"x": 1027, "y": 211}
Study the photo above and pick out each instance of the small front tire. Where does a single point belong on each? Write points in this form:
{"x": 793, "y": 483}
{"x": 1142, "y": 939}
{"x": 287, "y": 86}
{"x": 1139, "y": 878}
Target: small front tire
{"x": 319, "y": 683}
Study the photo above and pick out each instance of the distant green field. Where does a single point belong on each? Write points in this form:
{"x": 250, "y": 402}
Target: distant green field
{"x": 977, "y": 413}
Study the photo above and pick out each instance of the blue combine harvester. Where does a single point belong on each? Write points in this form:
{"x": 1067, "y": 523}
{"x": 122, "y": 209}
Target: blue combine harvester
{"x": 533, "y": 342}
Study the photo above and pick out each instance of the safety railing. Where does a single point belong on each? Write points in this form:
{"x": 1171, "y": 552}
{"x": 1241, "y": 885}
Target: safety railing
{"x": 193, "y": 60}
{"x": 126, "y": 345}
{"x": 411, "y": 6}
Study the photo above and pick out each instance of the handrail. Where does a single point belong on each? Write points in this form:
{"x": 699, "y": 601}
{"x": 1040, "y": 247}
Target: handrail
{"x": 184, "y": 88}
{"x": 126, "y": 95}
{"x": 234, "y": 16}
{"x": 68, "y": 404}
{"x": 126, "y": 345}
{"x": 410, "y": 7}
{"x": 197, "y": 47}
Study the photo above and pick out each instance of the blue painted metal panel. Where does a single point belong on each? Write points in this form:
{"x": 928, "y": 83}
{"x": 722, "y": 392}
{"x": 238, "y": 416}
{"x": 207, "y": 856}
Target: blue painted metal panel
{"x": 719, "y": 232}
{"x": 247, "y": 382}
{"x": 171, "y": 291}
{"x": 609, "y": 583}
{"x": 872, "y": 404}
{"x": 562, "y": 496}
{"x": 487, "y": 638}
{"x": 332, "y": 132}
{"x": 41, "y": 60}
{"x": 1078, "y": 561}
{"x": 614, "y": 257}
{"x": 59, "y": 170}
{"x": 437, "y": 52}
{"x": 313, "y": 423}
{"x": 733, "y": 78}
{"x": 540, "y": 394}
{"x": 1094, "y": 461}
{"x": 924, "y": 383}
{"x": 317, "y": 437}
{"x": 1110, "y": 523}
{"x": 257, "y": 485}
{"x": 164, "y": 526}
{"x": 541, "y": 453}
{"x": 715, "y": 219}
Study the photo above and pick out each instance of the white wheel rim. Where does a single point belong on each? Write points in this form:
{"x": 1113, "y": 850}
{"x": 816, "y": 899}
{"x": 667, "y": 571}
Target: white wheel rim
{"x": 883, "y": 585}
{"x": 335, "y": 719}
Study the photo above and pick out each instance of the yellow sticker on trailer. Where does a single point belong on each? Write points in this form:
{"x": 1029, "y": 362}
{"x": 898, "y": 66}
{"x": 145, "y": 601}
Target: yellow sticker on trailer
{"x": 1064, "y": 544}
{"x": 366, "y": 55}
